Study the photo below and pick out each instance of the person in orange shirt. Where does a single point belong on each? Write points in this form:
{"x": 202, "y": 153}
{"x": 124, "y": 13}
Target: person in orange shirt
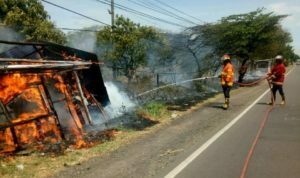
{"x": 227, "y": 78}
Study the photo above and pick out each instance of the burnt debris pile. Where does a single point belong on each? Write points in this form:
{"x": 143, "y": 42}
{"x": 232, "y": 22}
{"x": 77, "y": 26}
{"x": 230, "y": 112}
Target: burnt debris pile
{"x": 45, "y": 94}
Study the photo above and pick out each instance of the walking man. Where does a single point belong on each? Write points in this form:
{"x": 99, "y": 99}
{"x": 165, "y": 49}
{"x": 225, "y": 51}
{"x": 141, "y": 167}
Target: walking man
{"x": 227, "y": 78}
{"x": 276, "y": 76}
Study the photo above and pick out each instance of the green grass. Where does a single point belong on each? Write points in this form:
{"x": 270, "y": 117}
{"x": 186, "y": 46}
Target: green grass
{"x": 154, "y": 111}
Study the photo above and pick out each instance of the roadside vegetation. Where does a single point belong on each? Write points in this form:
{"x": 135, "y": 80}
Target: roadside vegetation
{"x": 154, "y": 111}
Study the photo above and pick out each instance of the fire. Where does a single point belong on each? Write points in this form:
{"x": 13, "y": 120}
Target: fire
{"x": 29, "y": 111}
{"x": 27, "y": 133}
{"x": 25, "y": 87}
{"x": 14, "y": 84}
{"x": 49, "y": 130}
{"x": 62, "y": 87}
{"x": 6, "y": 140}
{"x": 68, "y": 57}
{"x": 78, "y": 132}
{"x": 32, "y": 95}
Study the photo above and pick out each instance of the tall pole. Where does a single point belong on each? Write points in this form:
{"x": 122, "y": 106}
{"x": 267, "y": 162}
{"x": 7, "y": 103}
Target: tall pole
{"x": 112, "y": 11}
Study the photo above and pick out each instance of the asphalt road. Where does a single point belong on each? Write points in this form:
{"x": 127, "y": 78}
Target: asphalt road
{"x": 277, "y": 153}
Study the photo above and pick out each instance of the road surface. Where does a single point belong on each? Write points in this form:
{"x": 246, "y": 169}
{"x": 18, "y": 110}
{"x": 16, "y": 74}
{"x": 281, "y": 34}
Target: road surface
{"x": 276, "y": 153}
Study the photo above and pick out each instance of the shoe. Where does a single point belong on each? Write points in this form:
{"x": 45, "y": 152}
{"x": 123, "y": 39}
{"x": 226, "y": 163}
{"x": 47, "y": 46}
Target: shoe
{"x": 270, "y": 103}
{"x": 283, "y": 100}
{"x": 225, "y": 106}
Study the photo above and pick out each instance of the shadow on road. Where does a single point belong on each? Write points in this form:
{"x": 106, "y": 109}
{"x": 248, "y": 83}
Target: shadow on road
{"x": 216, "y": 105}
{"x": 263, "y": 103}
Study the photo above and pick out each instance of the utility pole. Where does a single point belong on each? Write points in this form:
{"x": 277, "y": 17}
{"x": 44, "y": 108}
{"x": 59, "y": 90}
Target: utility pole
{"x": 112, "y": 12}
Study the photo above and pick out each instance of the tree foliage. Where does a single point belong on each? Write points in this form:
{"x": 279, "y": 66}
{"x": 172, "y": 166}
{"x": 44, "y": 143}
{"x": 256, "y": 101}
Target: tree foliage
{"x": 253, "y": 35}
{"x": 29, "y": 18}
{"x": 127, "y": 44}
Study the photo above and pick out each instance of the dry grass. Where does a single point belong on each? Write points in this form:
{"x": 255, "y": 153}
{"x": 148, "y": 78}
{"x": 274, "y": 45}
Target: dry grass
{"x": 39, "y": 166}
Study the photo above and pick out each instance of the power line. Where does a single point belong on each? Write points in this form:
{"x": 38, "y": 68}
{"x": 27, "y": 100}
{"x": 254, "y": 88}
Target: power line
{"x": 153, "y": 5}
{"x": 149, "y": 4}
{"x": 59, "y": 28}
{"x": 161, "y": 12}
{"x": 178, "y": 10}
{"x": 127, "y": 9}
{"x": 69, "y": 10}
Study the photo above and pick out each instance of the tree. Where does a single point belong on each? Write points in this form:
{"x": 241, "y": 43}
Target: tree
{"x": 201, "y": 54}
{"x": 29, "y": 18}
{"x": 127, "y": 45}
{"x": 247, "y": 36}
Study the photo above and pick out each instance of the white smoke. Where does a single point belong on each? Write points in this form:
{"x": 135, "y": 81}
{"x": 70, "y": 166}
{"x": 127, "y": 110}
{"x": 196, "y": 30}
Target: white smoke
{"x": 85, "y": 42}
{"x": 120, "y": 103}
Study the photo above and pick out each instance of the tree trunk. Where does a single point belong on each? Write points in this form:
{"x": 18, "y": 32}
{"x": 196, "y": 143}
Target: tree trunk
{"x": 115, "y": 71}
{"x": 243, "y": 70}
{"x": 195, "y": 57}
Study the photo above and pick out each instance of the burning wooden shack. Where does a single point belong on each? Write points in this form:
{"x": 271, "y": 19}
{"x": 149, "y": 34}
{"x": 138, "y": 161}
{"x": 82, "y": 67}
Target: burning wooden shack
{"x": 44, "y": 92}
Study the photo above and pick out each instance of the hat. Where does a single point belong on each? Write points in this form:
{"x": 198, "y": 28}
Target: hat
{"x": 279, "y": 57}
{"x": 225, "y": 57}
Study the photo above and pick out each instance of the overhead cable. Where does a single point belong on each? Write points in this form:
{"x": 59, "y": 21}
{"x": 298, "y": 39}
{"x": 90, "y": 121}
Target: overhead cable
{"x": 130, "y": 10}
{"x": 72, "y": 11}
{"x": 162, "y": 12}
{"x": 165, "y": 4}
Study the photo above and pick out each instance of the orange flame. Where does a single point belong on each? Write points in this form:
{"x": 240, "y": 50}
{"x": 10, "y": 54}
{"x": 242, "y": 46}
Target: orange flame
{"x": 49, "y": 130}
{"x": 77, "y": 131}
{"x": 28, "y": 88}
{"x": 6, "y": 141}
{"x": 14, "y": 84}
{"x": 27, "y": 133}
{"x": 32, "y": 95}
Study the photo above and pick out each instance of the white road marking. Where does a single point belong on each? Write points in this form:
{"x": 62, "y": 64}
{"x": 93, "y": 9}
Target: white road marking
{"x": 209, "y": 142}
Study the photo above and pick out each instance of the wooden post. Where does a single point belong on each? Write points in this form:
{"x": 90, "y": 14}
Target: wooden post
{"x": 82, "y": 98}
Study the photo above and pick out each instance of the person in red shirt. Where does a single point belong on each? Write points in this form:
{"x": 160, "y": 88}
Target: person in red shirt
{"x": 276, "y": 76}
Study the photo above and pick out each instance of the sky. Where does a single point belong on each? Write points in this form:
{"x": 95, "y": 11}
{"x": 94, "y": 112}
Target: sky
{"x": 202, "y": 10}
